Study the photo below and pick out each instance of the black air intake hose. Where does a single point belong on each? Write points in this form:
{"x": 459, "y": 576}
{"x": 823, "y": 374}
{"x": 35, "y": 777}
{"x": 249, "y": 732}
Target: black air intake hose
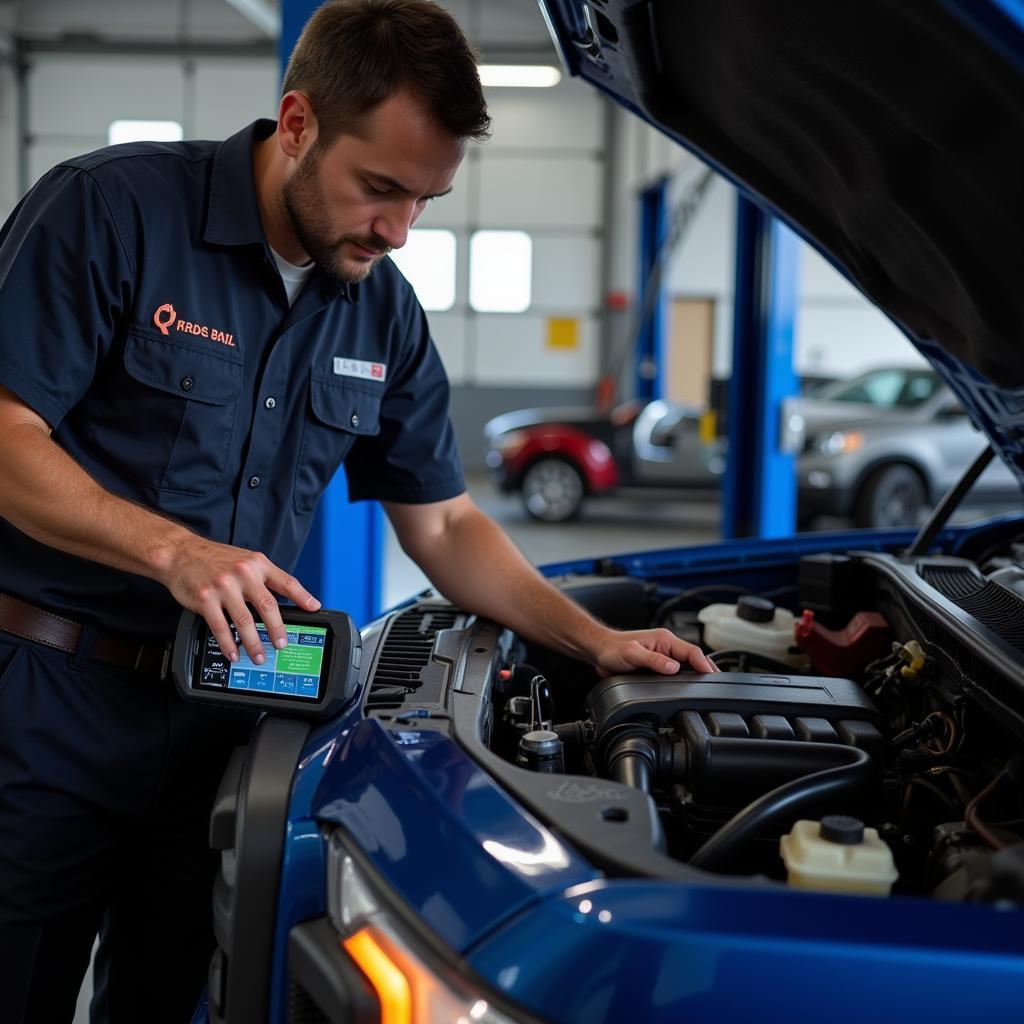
{"x": 631, "y": 757}
{"x": 787, "y": 803}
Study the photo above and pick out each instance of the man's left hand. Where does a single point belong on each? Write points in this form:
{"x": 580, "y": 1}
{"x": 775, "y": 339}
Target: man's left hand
{"x": 652, "y": 650}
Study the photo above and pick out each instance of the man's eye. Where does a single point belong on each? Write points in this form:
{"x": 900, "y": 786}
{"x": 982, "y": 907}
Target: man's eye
{"x": 378, "y": 191}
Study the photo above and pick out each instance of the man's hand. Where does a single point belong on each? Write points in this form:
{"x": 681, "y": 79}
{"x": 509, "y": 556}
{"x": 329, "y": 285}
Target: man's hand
{"x": 653, "y": 650}
{"x": 210, "y": 579}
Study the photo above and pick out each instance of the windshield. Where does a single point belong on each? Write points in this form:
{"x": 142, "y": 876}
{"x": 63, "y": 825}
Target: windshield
{"x": 886, "y": 389}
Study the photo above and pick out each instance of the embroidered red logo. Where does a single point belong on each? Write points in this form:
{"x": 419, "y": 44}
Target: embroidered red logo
{"x": 166, "y": 317}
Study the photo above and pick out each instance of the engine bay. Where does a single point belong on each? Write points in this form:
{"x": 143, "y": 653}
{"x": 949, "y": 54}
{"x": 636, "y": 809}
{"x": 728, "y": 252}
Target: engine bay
{"x": 864, "y": 732}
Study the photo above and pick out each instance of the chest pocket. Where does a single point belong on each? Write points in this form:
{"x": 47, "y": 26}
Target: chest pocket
{"x": 338, "y": 414}
{"x": 187, "y": 399}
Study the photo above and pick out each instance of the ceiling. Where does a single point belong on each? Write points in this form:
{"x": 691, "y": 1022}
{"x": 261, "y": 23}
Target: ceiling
{"x": 496, "y": 26}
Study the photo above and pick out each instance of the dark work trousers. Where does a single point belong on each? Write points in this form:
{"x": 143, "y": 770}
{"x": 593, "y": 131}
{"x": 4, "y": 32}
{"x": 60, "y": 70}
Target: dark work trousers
{"x": 106, "y": 784}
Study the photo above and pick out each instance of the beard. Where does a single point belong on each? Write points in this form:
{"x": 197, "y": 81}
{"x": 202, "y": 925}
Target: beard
{"x": 302, "y": 198}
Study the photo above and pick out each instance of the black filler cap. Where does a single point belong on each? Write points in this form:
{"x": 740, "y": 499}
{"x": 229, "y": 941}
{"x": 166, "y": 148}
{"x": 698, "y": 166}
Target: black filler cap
{"x": 842, "y": 829}
{"x": 755, "y": 609}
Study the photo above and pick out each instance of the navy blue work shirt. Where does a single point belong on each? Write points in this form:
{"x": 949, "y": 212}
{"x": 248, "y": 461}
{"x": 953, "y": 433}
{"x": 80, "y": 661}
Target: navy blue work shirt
{"x": 142, "y": 316}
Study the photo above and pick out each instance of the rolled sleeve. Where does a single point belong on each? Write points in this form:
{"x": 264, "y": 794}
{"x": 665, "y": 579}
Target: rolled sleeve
{"x": 65, "y": 282}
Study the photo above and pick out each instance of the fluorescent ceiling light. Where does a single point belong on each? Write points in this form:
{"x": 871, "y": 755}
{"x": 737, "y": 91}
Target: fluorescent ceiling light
{"x": 262, "y": 13}
{"x": 520, "y": 76}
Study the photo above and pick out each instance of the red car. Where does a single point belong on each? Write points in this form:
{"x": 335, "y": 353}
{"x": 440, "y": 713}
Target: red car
{"x": 557, "y": 457}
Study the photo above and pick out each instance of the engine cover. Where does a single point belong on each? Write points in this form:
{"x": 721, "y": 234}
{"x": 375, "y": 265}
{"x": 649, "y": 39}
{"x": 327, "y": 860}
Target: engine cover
{"x": 725, "y": 695}
{"x": 734, "y": 735}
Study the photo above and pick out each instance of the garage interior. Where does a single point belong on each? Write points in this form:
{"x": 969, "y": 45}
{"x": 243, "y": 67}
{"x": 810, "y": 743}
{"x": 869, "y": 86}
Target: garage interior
{"x": 546, "y": 314}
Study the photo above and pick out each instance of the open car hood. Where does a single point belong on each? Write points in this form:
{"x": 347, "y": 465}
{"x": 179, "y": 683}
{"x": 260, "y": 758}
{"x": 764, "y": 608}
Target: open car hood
{"x": 888, "y": 133}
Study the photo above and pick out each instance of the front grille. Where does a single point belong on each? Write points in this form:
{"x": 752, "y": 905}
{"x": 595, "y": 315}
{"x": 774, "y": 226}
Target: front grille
{"x": 301, "y": 1008}
{"x": 404, "y": 657}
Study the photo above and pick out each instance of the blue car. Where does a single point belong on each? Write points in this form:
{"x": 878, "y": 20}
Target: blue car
{"x": 832, "y": 827}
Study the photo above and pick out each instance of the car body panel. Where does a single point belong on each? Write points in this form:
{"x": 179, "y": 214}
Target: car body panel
{"x": 382, "y": 786}
{"x": 421, "y": 810}
{"x": 716, "y": 953}
{"x": 589, "y": 454}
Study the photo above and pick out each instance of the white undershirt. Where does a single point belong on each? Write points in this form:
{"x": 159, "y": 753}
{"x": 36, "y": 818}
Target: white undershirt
{"x": 293, "y": 277}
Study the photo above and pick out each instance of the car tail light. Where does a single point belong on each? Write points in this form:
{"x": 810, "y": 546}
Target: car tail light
{"x": 512, "y": 443}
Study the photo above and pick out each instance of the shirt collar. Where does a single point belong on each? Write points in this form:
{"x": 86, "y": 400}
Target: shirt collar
{"x": 233, "y": 213}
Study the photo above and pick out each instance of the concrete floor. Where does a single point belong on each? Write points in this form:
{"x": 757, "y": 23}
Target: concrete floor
{"x": 607, "y": 526}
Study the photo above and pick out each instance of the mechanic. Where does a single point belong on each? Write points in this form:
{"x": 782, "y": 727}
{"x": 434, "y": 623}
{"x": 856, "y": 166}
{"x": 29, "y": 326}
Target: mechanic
{"x": 192, "y": 342}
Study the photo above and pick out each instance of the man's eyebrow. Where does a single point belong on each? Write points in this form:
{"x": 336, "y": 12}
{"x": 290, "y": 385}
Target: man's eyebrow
{"x": 399, "y": 187}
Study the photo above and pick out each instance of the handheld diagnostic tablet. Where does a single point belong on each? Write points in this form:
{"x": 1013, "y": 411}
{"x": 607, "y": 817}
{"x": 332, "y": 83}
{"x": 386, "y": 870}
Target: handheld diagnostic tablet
{"x": 312, "y": 677}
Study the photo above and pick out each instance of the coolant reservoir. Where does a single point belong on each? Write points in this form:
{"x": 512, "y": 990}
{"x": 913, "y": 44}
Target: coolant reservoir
{"x": 838, "y": 854}
{"x": 752, "y": 624}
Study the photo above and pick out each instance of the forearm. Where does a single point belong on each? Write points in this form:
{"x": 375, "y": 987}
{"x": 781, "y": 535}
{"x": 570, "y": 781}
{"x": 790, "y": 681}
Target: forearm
{"x": 476, "y": 566}
{"x": 49, "y": 497}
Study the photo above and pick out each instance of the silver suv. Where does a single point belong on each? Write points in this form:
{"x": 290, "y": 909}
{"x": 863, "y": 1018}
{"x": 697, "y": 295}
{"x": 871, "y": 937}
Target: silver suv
{"x": 882, "y": 446}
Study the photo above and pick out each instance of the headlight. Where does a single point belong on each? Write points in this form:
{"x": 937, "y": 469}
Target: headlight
{"x": 840, "y": 442}
{"x": 412, "y": 989}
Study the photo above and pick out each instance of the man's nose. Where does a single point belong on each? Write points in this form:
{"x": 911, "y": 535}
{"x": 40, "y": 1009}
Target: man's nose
{"x": 393, "y": 227}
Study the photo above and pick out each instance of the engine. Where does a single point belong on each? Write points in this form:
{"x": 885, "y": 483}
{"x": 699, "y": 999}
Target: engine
{"x": 871, "y": 708}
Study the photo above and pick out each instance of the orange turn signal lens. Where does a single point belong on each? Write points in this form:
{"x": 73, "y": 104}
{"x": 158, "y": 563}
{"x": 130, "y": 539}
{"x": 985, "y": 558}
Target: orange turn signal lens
{"x": 387, "y": 979}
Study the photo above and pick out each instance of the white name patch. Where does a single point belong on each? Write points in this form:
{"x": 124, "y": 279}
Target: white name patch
{"x": 359, "y": 368}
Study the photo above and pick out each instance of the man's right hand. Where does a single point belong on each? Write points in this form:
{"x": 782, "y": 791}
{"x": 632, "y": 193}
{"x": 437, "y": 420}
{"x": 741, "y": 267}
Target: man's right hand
{"x": 48, "y": 496}
{"x": 222, "y": 582}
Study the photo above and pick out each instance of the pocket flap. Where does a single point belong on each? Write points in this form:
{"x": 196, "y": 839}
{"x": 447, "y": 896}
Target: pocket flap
{"x": 346, "y": 407}
{"x": 182, "y": 370}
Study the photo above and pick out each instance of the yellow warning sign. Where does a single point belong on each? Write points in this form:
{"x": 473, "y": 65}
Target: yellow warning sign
{"x": 563, "y": 333}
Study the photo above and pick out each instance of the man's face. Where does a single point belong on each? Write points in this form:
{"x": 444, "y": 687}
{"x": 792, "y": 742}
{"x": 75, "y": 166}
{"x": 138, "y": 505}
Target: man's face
{"x": 351, "y": 204}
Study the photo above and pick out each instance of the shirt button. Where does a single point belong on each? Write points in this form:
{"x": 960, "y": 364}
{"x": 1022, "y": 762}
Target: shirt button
{"x": 186, "y": 383}
{"x": 254, "y": 482}
{"x": 355, "y": 420}
{"x": 270, "y": 403}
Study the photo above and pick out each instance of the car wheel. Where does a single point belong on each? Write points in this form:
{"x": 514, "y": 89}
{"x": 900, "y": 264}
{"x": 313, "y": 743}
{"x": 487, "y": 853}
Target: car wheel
{"x": 552, "y": 490}
{"x": 891, "y": 496}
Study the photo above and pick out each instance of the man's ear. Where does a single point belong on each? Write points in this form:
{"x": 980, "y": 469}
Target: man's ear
{"x": 297, "y": 127}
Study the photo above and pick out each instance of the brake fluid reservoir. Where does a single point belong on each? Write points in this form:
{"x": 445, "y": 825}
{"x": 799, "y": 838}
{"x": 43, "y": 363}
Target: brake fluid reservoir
{"x": 838, "y": 854}
{"x": 752, "y": 624}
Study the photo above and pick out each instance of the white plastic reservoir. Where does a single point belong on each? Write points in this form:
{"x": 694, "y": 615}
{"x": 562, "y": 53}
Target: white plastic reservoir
{"x": 838, "y": 854}
{"x": 752, "y": 624}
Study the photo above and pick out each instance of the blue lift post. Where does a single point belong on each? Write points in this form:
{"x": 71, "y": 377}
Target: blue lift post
{"x": 759, "y": 494}
{"x": 343, "y": 560}
{"x": 650, "y": 341}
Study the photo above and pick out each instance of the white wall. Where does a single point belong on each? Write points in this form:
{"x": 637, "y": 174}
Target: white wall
{"x": 838, "y": 331}
{"x": 541, "y": 172}
{"x": 72, "y": 99}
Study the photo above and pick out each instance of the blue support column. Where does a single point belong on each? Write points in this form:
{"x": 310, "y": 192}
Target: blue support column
{"x": 759, "y": 495}
{"x": 343, "y": 560}
{"x": 650, "y": 342}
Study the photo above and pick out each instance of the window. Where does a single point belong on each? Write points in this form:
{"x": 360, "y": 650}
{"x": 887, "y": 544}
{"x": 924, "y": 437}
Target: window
{"x": 428, "y": 262}
{"x": 500, "y": 270}
{"x": 886, "y": 388}
{"x": 144, "y": 131}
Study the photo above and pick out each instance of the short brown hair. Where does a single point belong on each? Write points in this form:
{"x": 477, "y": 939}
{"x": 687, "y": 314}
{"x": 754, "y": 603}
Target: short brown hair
{"x": 354, "y": 54}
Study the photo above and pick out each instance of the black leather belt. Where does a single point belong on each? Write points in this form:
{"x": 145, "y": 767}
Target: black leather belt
{"x": 24, "y": 620}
